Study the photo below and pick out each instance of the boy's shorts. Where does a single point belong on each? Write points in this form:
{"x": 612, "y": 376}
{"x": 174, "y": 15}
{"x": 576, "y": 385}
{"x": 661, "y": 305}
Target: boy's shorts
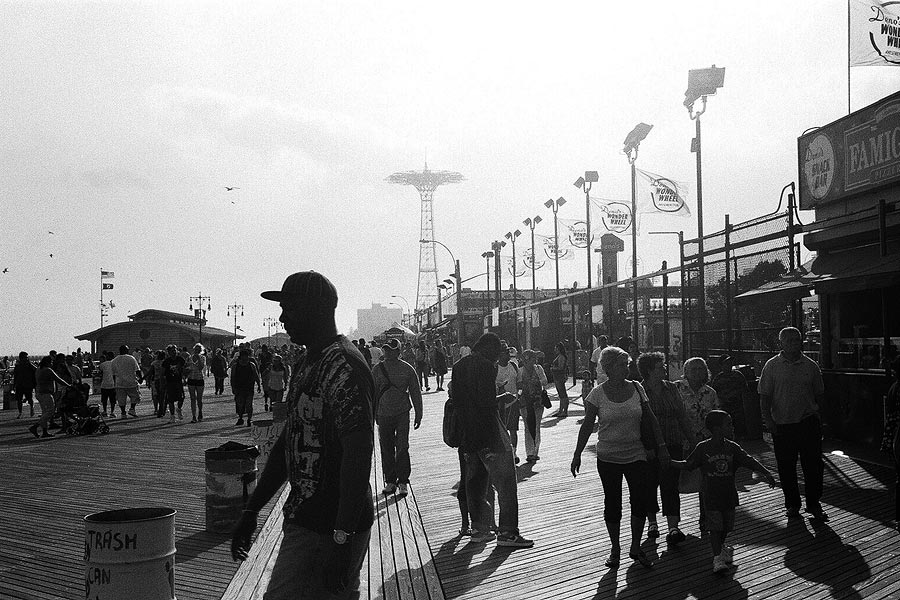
{"x": 720, "y": 520}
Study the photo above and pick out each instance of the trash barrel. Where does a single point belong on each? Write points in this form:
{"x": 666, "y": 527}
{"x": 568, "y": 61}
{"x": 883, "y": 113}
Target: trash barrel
{"x": 230, "y": 481}
{"x": 264, "y": 433}
{"x": 279, "y": 411}
{"x": 130, "y": 553}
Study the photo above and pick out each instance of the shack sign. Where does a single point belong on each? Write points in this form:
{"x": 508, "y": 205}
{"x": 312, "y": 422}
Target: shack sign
{"x": 855, "y": 154}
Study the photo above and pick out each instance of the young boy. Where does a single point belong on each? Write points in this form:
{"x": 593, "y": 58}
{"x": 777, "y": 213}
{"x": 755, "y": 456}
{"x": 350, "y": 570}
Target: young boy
{"x": 718, "y": 458}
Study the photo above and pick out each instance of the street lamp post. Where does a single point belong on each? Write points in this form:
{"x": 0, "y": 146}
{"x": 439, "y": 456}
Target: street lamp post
{"x": 701, "y": 83}
{"x": 555, "y": 204}
{"x": 632, "y": 142}
{"x": 270, "y": 322}
{"x": 584, "y": 183}
{"x": 234, "y": 308}
{"x": 408, "y": 311}
{"x": 460, "y": 326}
{"x": 487, "y": 256}
{"x": 498, "y": 275}
{"x": 511, "y": 236}
{"x": 200, "y": 313}
{"x": 532, "y": 223}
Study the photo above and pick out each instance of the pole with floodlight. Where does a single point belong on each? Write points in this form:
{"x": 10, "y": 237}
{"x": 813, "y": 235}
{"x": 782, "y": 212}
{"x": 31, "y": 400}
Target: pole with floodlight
{"x": 632, "y": 142}
{"x": 554, "y": 205}
{"x": 584, "y": 183}
{"x": 532, "y": 223}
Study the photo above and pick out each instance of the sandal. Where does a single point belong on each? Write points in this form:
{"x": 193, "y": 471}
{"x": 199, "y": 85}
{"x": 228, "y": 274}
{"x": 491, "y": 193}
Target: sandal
{"x": 640, "y": 557}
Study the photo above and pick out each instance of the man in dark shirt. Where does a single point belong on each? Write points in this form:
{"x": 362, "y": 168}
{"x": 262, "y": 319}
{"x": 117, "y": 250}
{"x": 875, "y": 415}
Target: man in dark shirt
{"x": 173, "y": 370}
{"x": 731, "y": 387}
{"x": 485, "y": 443}
{"x": 24, "y": 382}
{"x": 324, "y": 452}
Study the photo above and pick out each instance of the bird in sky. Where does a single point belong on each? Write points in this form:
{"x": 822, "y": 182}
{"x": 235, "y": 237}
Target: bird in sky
{"x": 51, "y": 233}
{"x": 51, "y": 255}
{"x": 5, "y": 270}
{"x": 228, "y": 189}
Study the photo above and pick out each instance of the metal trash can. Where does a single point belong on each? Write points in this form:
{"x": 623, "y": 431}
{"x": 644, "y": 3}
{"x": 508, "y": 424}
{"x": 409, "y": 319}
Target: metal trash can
{"x": 130, "y": 553}
{"x": 230, "y": 481}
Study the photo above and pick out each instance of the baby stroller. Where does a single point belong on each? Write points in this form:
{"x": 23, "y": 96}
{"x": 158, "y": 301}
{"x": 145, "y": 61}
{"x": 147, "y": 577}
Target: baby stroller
{"x": 79, "y": 418}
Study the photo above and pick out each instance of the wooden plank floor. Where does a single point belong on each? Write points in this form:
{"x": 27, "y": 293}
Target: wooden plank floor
{"x": 48, "y": 486}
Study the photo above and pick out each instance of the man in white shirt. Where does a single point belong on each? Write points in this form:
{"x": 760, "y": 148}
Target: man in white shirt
{"x": 602, "y": 342}
{"x": 127, "y": 375}
{"x": 507, "y": 373}
{"x": 377, "y": 353}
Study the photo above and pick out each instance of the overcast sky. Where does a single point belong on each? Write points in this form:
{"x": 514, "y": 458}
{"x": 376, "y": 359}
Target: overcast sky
{"x": 122, "y": 123}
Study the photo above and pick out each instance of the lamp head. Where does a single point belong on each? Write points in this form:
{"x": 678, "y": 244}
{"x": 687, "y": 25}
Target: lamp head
{"x": 591, "y": 176}
{"x": 527, "y": 221}
{"x": 516, "y": 233}
{"x": 579, "y": 183}
{"x": 537, "y": 219}
{"x": 637, "y": 135}
{"x": 549, "y": 203}
{"x": 703, "y": 82}
{"x": 560, "y": 201}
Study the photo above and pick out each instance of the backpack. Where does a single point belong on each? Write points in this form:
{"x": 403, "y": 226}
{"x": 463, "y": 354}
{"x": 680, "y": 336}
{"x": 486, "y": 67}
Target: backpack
{"x": 452, "y": 427}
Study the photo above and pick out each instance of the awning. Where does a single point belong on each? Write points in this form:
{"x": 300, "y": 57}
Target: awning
{"x": 443, "y": 323}
{"x": 850, "y": 270}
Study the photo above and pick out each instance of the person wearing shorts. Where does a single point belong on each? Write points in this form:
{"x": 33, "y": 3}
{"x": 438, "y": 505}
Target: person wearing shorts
{"x": 127, "y": 375}
{"x": 243, "y": 375}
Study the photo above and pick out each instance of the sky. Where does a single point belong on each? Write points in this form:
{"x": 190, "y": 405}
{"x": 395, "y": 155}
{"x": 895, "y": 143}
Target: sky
{"x": 122, "y": 123}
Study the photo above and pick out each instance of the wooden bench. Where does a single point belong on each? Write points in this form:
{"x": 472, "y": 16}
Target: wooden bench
{"x": 399, "y": 564}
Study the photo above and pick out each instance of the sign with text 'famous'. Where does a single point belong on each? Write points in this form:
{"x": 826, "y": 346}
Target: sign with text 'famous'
{"x": 852, "y": 155}
{"x": 874, "y": 33}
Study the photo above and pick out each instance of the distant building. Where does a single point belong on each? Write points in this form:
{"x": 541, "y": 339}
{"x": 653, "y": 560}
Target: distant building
{"x": 374, "y": 321}
{"x": 156, "y": 329}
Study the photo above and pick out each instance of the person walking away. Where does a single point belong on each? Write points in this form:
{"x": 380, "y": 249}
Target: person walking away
{"x": 667, "y": 405}
{"x": 107, "y": 385}
{"x": 244, "y": 374}
{"x": 507, "y": 373}
{"x": 718, "y": 458}
{"x": 174, "y": 369}
{"x": 46, "y": 380}
{"x": 396, "y": 392}
{"x": 602, "y": 343}
{"x": 439, "y": 363}
{"x": 157, "y": 384}
{"x": 619, "y": 405}
{"x": 127, "y": 375}
{"x": 279, "y": 375}
{"x": 485, "y": 444}
{"x": 559, "y": 371}
{"x": 731, "y": 387}
{"x": 195, "y": 382}
{"x": 791, "y": 391}
{"x": 219, "y": 368}
{"x": 531, "y": 381}
{"x": 366, "y": 352}
{"x": 324, "y": 452}
{"x": 147, "y": 358}
{"x": 265, "y": 363}
{"x": 24, "y": 382}
{"x": 422, "y": 365}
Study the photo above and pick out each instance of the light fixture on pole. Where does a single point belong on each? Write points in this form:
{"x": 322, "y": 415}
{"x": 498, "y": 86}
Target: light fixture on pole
{"x": 498, "y": 272}
{"x": 701, "y": 83}
{"x": 441, "y": 286}
{"x": 554, "y": 205}
{"x": 234, "y": 308}
{"x": 632, "y": 142}
{"x": 532, "y": 223}
{"x": 200, "y": 313}
{"x": 460, "y": 326}
{"x": 511, "y": 236}
{"x": 584, "y": 183}
{"x": 408, "y": 311}
{"x": 402, "y": 313}
{"x": 487, "y": 256}
{"x": 270, "y": 322}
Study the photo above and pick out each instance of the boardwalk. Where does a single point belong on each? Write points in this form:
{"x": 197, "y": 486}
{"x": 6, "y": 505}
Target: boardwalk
{"x": 48, "y": 486}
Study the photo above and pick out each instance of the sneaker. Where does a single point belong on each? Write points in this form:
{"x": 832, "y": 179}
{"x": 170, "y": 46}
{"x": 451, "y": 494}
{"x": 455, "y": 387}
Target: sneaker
{"x": 403, "y": 489}
{"x": 675, "y": 536}
{"x": 653, "y": 531}
{"x": 389, "y": 488}
{"x": 132, "y": 412}
{"x": 180, "y": 415}
{"x": 728, "y": 554}
{"x": 793, "y": 513}
{"x": 817, "y": 513}
{"x": 240, "y": 421}
{"x": 513, "y": 541}
{"x": 719, "y": 564}
{"x": 517, "y": 460}
{"x": 482, "y": 536}
{"x": 33, "y": 430}
{"x": 193, "y": 420}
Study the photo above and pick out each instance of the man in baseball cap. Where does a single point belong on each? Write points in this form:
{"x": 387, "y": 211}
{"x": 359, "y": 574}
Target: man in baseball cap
{"x": 324, "y": 452}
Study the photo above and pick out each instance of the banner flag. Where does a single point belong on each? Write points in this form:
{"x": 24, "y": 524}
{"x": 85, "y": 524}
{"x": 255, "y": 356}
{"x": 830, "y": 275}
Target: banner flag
{"x": 107, "y": 286}
{"x": 107, "y": 274}
{"x": 528, "y": 260}
{"x": 657, "y": 194}
{"x": 511, "y": 267}
{"x": 566, "y": 249}
{"x": 874, "y": 33}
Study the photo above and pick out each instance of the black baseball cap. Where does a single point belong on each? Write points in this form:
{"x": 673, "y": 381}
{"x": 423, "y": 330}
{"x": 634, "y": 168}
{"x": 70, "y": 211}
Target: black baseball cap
{"x": 308, "y": 285}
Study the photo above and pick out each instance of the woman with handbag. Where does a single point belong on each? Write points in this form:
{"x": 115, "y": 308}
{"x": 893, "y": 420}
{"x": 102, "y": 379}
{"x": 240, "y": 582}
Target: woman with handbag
{"x": 626, "y": 422}
{"x": 559, "y": 370}
{"x": 667, "y": 405}
{"x": 531, "y": 382}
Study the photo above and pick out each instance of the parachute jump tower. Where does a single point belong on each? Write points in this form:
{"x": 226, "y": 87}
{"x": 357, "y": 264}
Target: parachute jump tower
{"x": 426, "y": 182}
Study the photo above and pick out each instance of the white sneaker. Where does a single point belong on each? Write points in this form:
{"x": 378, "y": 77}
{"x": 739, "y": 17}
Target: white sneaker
{"x": 403, "y": 489}
{"x": 719, "y": 564}
{"x": 728, "y": 554}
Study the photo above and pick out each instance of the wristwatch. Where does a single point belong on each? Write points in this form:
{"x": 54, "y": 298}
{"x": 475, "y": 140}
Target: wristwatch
{"x": 341, "y": 537}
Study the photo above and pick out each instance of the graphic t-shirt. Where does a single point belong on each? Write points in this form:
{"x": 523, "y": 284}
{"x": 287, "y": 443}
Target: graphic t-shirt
{"x": 331, "y": 395}
{"x": 717, "y": 465}
{"x": 124, "y": 368}
{"x": 173, "y": 367}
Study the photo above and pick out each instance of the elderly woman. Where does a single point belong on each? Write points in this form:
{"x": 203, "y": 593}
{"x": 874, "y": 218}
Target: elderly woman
{"x": 620, "y": 404}
{"x": 698, "y": 399}
{"x": 676, "y": 429}
{"x": 531, "y": 381}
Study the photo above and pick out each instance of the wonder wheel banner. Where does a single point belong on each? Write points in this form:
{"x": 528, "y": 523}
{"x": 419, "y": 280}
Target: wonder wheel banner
{"x": 565, "y": 251}
{"x": 511, "y": 267}
{"x": 874, "y": 33}
{"x": 528, "y": 260}
{"x": 655, "y": 194}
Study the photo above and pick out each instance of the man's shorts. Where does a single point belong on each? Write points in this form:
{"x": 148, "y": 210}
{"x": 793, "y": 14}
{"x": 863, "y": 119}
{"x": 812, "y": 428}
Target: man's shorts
{"x": 124, "y": 393}
{"x": 720, "y": 520}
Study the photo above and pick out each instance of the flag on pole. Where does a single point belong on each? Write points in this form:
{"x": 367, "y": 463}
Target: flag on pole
{"x": 528, "y": 260}
{"x": 564, "y": 252}
{"x": 107, "y": 286}
{"x": 657, "y": 194}
{"x": 874, "y": 33}
{"x": 107, "y": 274}
{"x": 511, "y": 267}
